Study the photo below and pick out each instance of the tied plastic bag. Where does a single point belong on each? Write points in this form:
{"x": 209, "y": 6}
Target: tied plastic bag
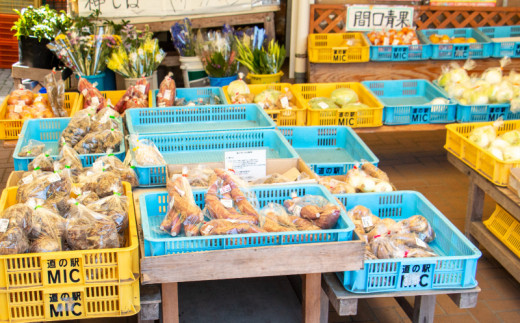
{"x": 17, "y": 216}
{"x": 115, "y": 165}
{"x": 103, "y": 183}
{"x": 69, "y": 163}
{"x": 166, "y": 95}
{"x": 274, "y": 218}
{"x": 56, "y": 94}
{"x": 183, "y": 212}
{"x": 48, "y": 230}
{"x": 115, "y": 207}
{"x": 384, "y": 227}
{"x": 336, "y": 187}
{"x": 106, "y": 118}
{"x": 363, "y": 219}
{"x": 86, "y": 197}
{"x": 144, "y": 152}
{"x": 42, "y": 162}
{"x": 494, "y": 75}
{"x": 136, "y": 96}
{"x": 314, "y": 208}
{"x": 13, "y": 241}
{"x": 78, "y": 127}
{"x": 100, "y": 142}
{"x": 86, "y": 229}
{"x": 419, "y": 225}
{"x": 454, "y": 74}
{"x": 92, "y": 97}
{"x": 45, "y": 186}
{"x": 32, "y": 149}
{"x": 228, "y": 226}
{"x": 199, "y": 176}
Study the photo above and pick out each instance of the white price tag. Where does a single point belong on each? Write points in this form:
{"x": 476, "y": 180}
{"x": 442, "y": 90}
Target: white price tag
{"x": 297, "y": 210}
{"x": 225, "y": 189}
{"x": 31, "y": 203}
{"x": 18, "y": 108}
{"x": 95, "y": 100}
{"x": 39, "y": 98}
{"x": 285, "y": 102}
{"x": 422, "y": 236}
{"x": 248, "y": 164}
{"x": 367, "y": 221}
{"x": 4, "y": 224}
{"x": 27, "y": 179}
{"x": 142, "y": 88}
{"x": 54, "y": 177}
{"x": 420, "y": 243}
{"x": 227, "y": 203}
{"x": 323, "y": 105}
{"x": 84, "y": 92}
{"x": 411, "y": 279}
{"x": 167, "y": 94}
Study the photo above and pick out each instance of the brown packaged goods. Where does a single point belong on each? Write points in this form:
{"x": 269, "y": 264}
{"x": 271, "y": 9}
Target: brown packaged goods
{"x": 87, "y": 197}
{"x": 13, "y": 241}
{"x": 46, "y": 222}
{"x": 106, "y": 118}
{"x": 136, "y": 96}
{"x": 144, "y": 152}
{"x": 32, "y": 149}
{"x": 56, "y": 93}
{"x": 238, "y": 196}
{"x": 329, "y": 216}
{"x": 86, "y": 229}
{"x": 42, "y": 162}
{"x": 100, "y": 142}
{"x": 78, "y": 127}
{"x": 43, "y": 187}
{"x": 46, "y": 244}
{"x": 113, "y": 164}
{"x": 115, "y": 207}
{"x": 419, "y": 225}
{"x": 226, "y": 227}
{"x": 103, "y": 184}
{"x": 274, "y": 218}
{"x": 92, "y": 97}
{"x": 166, "y": 95}
{"x": 303, "y": 224}
{"x": 69, "y": 162}
{"x": 19, "y": 216}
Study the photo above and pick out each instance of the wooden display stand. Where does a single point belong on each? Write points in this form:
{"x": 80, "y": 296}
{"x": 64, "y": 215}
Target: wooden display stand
{"x": 20, "y": 72}
{"x": 345, "y": 303}
{"x": 309, "y": 260}
{"x": 475, "y": 229}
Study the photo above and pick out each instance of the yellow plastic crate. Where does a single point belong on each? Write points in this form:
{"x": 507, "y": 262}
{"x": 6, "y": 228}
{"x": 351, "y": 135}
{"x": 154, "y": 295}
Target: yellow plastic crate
{"x": 506, "y": 228}
{"x": 295, "y": 117}
{"x": 333, "y": 48}
{"x": 264, "y": 78}
{"x": 70, "y": 303}
{"x": 114, "y": 97}
{"x": 355, "y": 118}
{"x": 76, "y": 268}
{"x": 10, "y": 129}
{"x": 492, "y": 168}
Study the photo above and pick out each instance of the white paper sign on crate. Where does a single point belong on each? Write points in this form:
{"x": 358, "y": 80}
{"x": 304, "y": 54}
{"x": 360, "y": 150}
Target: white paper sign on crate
{"x": 368, "y": 18}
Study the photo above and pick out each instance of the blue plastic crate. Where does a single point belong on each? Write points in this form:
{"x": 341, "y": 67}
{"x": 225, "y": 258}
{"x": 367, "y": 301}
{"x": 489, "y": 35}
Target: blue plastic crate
{"x": 407, "y": 102}
{"x": 205, "y": 94}
{"x": 483, "y": 48}
{"x": 507, "y": 47}
{"x": 48, "y": 131}
{"x": 483, "y": 112}
{"x": 329, "y": 150}
{"x": 454, "y": 268}
{"x": 399, "y": 53}
{"x": 201, "y": 118}
{"x": 208, "y": 147}
{"x": 153, "y": 208}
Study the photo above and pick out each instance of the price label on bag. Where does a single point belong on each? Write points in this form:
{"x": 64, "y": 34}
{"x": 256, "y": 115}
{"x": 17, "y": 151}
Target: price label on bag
{"x": 167, "y": 94}
{"x": 367, "y": 221}
{"x": 420, "y": 243}
{"x": 248, "y": 164}
{"x": 4, "y": 224}
{"x": 227, "y": 203}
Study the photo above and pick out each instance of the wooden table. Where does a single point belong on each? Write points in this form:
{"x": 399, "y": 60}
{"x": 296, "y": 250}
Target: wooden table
{"x": 309, "y": 260}
{"x": 474, "y": 229}
{"x": 20, "y": 72}
{"x": 345, "y": 303}
{"x": 357, "y": 72}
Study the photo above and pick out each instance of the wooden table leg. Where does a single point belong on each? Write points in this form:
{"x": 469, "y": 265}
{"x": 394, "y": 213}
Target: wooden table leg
{"x": 324, "y": 305}
{"x": 475, "y": 208}
{"x": 311, "y": 298}
{"x": 170, "y": 303}
{"x": 424, "y": 309}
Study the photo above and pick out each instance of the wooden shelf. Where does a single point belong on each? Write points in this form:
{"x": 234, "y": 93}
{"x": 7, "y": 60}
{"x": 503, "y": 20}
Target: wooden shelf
{"x": 495, "y": 247}
{"x": 403, "y": 128}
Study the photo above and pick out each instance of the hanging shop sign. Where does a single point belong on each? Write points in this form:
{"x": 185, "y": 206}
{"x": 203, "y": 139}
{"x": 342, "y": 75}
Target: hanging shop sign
{"x": 135, "y": 8}
{"x": 368, "y": 18}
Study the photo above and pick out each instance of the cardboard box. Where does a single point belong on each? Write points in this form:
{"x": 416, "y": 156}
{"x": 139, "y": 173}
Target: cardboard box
{"x": 280, "y": 166}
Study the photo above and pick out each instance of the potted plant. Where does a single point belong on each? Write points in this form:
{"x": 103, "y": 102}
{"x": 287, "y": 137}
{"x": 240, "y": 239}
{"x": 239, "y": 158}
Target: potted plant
{"x": 184, "y": 41}
{"x": 139, "y": 56}
{"x": 263, "y": 62}
{"x": 217, "y": 50}
{"x": 35, "y": 28}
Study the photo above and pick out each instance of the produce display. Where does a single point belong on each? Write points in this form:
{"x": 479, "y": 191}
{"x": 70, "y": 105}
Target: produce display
{"x": 385, "y": 238}
{"x": 92, "y": 96}
{"x": 405, "y": 36}
{"x": 491, "y": 87}
{"x": 445, "y": 39}
{"x": 144, "y": 152}
{"x": 366, "y": 179}
{"x": 268, "y": 99}
{"x": 505, "y": 147}
{"x": 136, "y": 96}
{"x": 56, "y": 94}
{"x": 24, "y": 104}
{"x": 230, "y": 210}
{"x": 344, "y": 98}
{"x": 166, "y": 95}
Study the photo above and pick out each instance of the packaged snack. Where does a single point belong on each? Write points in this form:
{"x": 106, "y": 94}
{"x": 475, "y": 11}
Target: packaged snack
{"x": 56, "y": 94}
{"x": 32, "y": 149}
{"x": 115, "y": 207}
{"x": 45, "y": 186}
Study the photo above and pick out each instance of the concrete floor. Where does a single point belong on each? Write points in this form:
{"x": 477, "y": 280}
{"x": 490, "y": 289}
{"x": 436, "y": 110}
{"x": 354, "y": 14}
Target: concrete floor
{"x": 413, "y": 161}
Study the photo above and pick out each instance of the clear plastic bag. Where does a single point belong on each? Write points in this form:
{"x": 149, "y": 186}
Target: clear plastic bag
{"x": 78, "y": 127}
{"x": 335, "y": 186}
{"x": 56, "y": 94}
{"x": 106, "y": 118}
{"x": 144, "y": 152}
{"x": 183, "y": 212}
{"x": 228, "y": 226}
{"x": 42, "y": 162}
{"x": 136, "y": 96}
{"x": 115, "y": 207}
{"x": 46, "y": 222}
{"x": 363, "y": 218}
{"x": 200, "y": 176}
{"x": 13, "y": 241}
{"x": 86, "y": 229}
{"x": 166, "y": 95}
{"x": 92, "y": 97}
{"x": 45, "y": 186}
{"x": 100, "y": 142}
{"x": 274, "y": 218}
{"x": 419, "y": 225}
{"x": 103, "y": 183}
{"x": 314, "y": 208}
{"x": 19, "y": 216}
{"x": 115, "y": 165}
{"x": 69, "y": 162}
{"x": 243, "y": 198}
{"x": 32, "y": 149}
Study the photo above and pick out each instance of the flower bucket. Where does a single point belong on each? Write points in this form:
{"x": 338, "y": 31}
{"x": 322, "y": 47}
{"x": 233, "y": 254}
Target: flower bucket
{"x": 264, "y": 78}
{"x": 192, "y": 71}
{"x": 34, "y": 53}
{"x": 152, "y": 79}
{"x": 222, "y": 81}
{"x": 98, "y": 78}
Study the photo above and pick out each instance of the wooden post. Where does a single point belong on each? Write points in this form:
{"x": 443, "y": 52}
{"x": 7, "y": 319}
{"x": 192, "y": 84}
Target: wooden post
{"x": 170, "y": 303}
{"x": 324, "y": 306}
{"x": 311, "y": 298}
{"x": 424, "y": 309}
{"x": 475, "y": 207}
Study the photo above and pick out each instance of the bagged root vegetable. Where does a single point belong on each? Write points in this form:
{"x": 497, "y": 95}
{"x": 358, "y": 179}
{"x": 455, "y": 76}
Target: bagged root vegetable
{"x": 56, "y": 94}
{"x": 274, "y": 218}
{"x": 166, "y": 95}
{"x": 115, "y": 207}
{"x": 102, "y": 183}
{"x": 454, "y": 74}
{"x": 113, "y": 164}
{"x": 144, "y": 152}
{"x": 419, "y": 225}
{"x": 494, "y": 75}
{"x": 104, "y": 141}
{"x": 42, "y": 162}
{"x": 318, "y": 210}
{"x": 45, "y": 186}
{"x": 136, "y": 96}
{"x": 78, "y": 127}
{"x": 32, "y": 149}
{"x": 92, "y": 97}
{"x": 228, "y": 226}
